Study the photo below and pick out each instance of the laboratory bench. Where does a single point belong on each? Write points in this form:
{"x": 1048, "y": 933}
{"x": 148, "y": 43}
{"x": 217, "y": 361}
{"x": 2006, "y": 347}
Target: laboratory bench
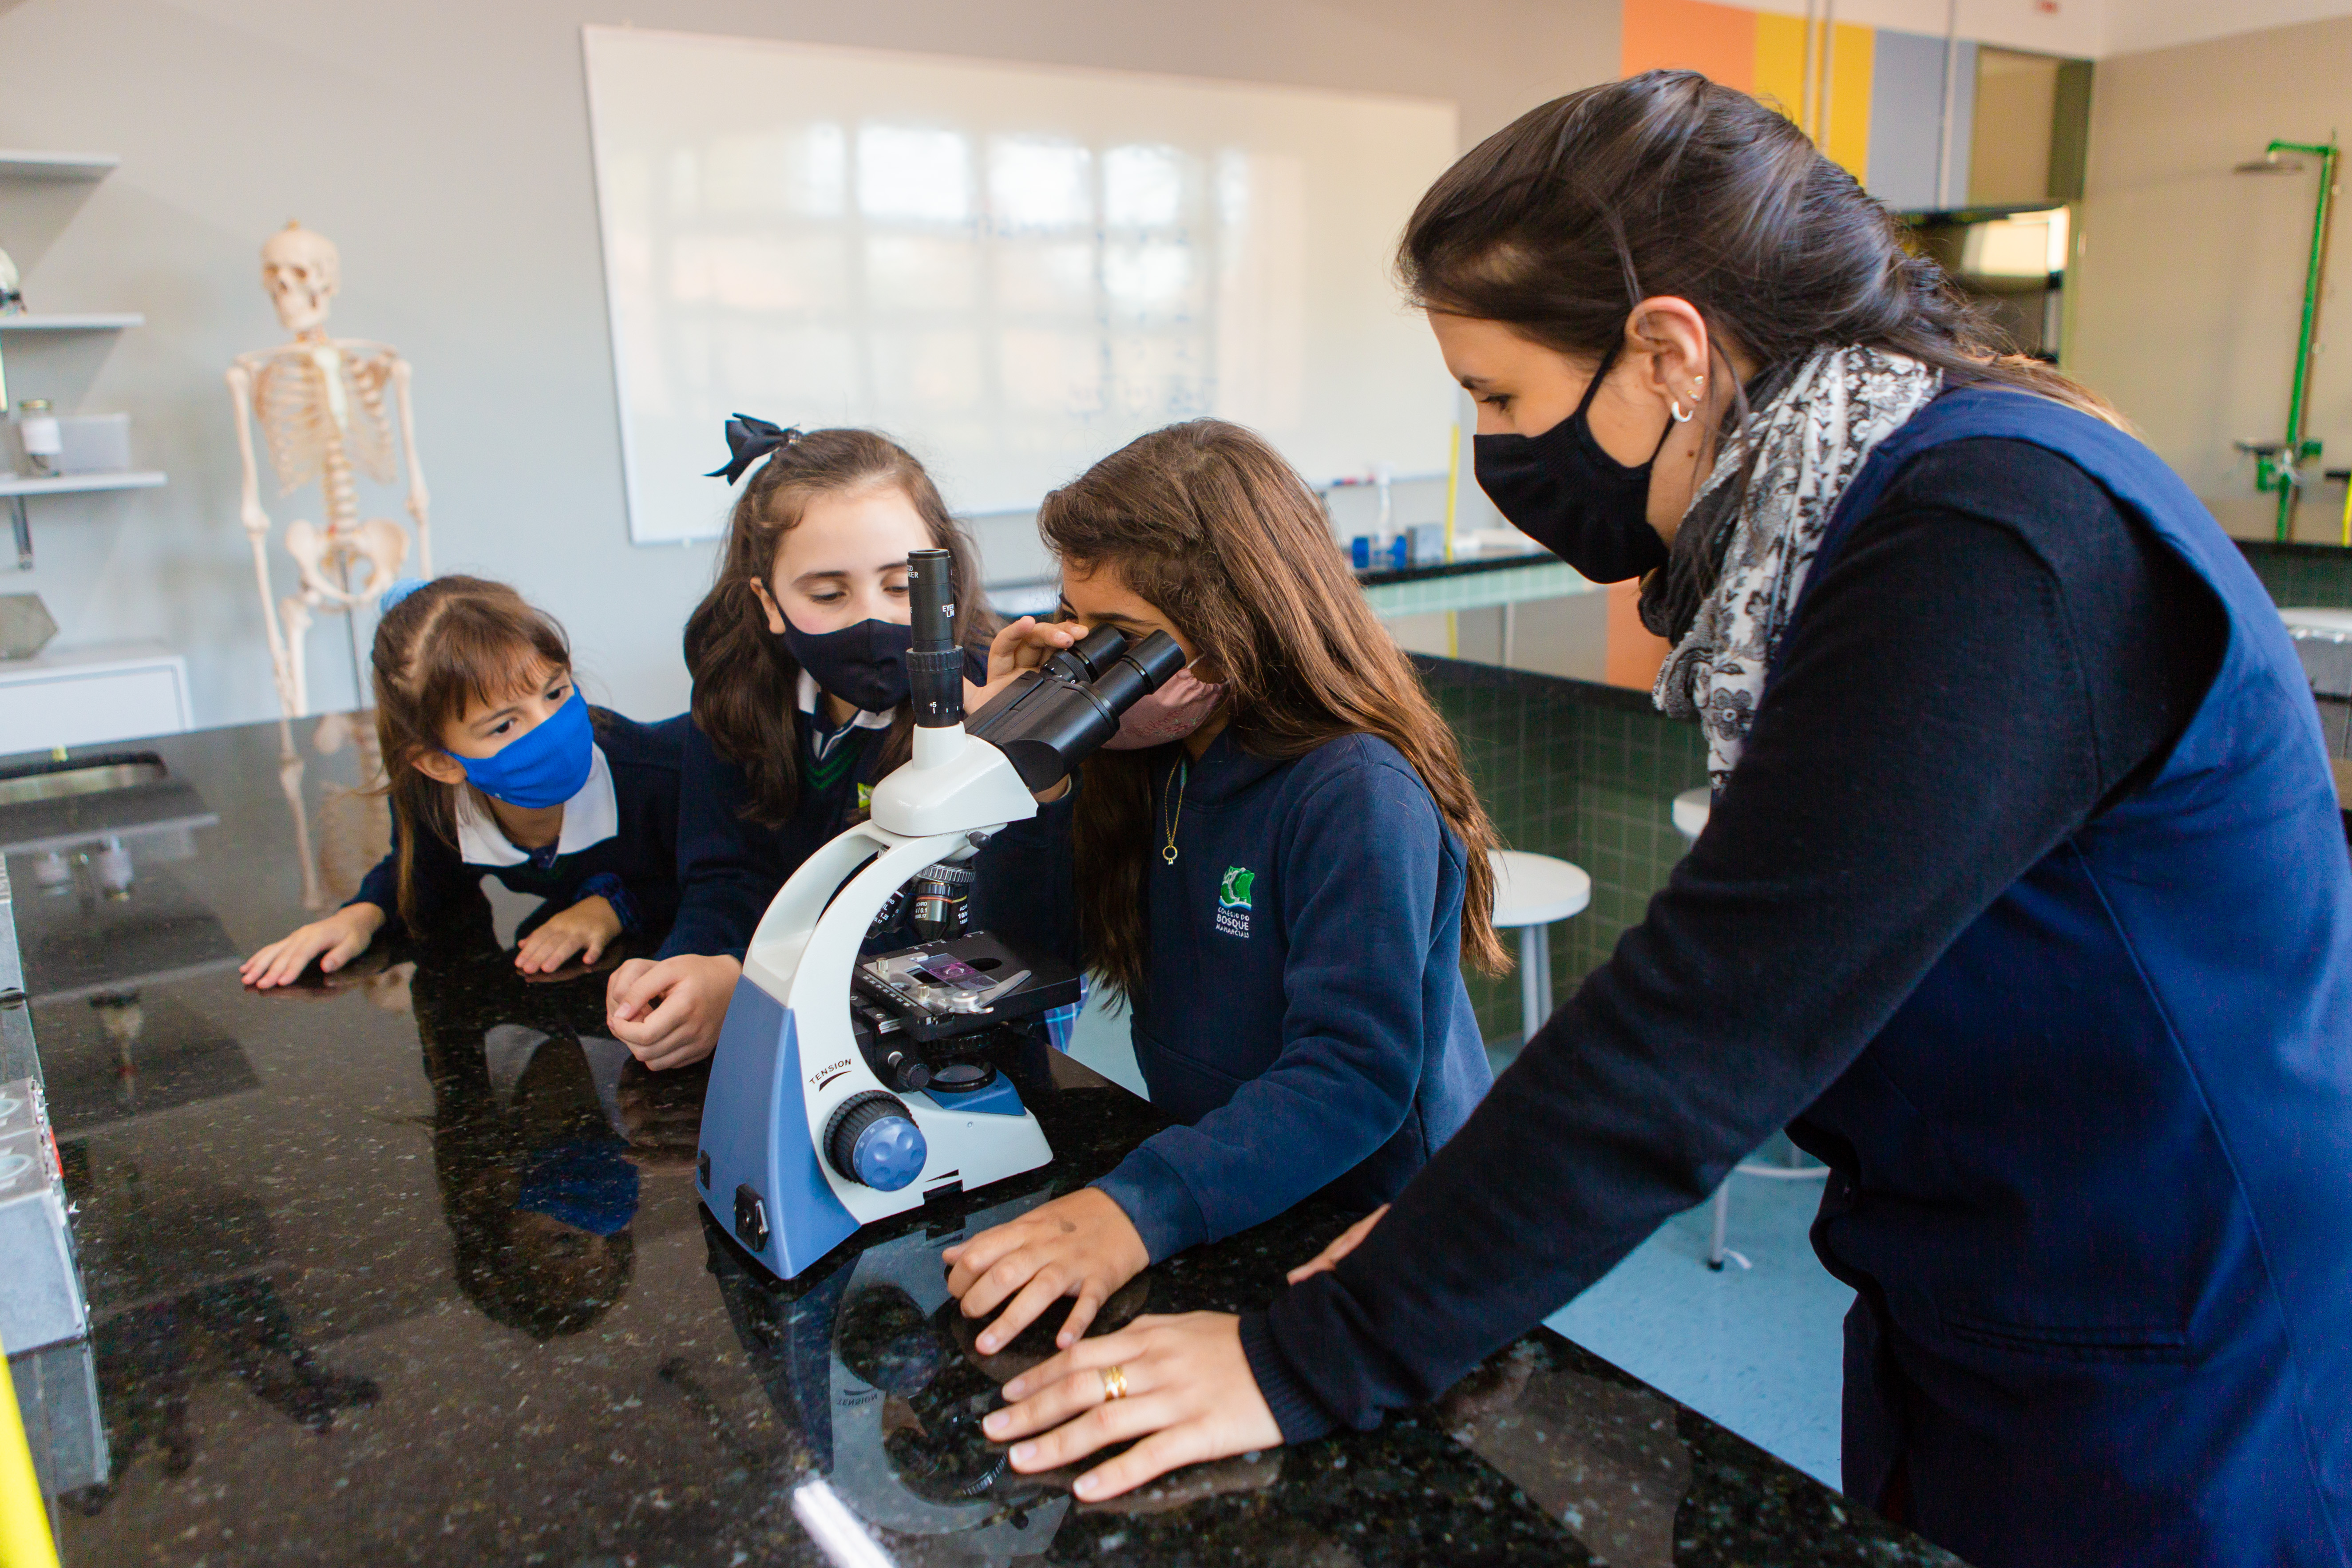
{"x": 407, "y": 1267}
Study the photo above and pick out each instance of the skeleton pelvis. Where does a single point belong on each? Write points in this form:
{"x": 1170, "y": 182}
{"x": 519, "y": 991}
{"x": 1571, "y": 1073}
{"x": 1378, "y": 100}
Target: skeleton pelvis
{"x": 367, "y": 557}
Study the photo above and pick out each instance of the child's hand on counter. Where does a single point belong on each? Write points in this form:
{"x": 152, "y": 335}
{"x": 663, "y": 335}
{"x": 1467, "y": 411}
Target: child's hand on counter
{"x": 583, "y": 931}
{"x": 669, "y": 1013}
{"x": 1080, "y": 1245}
{"x": 334, "y": 941}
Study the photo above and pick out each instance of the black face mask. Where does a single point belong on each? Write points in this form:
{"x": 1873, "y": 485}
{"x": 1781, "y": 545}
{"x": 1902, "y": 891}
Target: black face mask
{"x": 865, "y": 664}
{"x": 1560, "y": 489}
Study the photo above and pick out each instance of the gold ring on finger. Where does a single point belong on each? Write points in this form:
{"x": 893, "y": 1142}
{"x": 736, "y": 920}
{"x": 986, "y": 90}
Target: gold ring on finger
{"x": 1114, "y": 1382}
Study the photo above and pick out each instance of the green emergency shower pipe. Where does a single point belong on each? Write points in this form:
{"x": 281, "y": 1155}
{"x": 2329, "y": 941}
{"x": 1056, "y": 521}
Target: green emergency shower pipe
{"x": 2279, "y": 469}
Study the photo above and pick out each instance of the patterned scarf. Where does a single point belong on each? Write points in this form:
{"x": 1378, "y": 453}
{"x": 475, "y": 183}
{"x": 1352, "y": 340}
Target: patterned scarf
{"x": 1807, "y": 443}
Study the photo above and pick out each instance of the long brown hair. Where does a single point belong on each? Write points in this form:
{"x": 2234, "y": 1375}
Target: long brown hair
{"x": 1206, "y": 521}
{"x": 450, "y": 644}
{"x": 1668, "y": 184}
{"x": 746, "y": 681}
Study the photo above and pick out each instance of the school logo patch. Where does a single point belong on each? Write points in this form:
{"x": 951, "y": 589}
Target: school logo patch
{"x": 1234, "y": 901}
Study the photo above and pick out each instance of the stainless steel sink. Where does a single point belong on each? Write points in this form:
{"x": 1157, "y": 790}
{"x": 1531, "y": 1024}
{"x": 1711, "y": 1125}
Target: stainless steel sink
{"x": 92, "y": 775}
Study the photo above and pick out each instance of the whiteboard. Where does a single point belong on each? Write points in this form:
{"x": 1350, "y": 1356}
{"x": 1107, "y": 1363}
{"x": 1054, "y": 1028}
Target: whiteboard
{"x": 1013, "y": 268}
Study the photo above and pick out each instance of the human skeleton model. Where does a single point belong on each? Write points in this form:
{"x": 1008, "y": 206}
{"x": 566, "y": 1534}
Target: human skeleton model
{"x": 320, "y": 404}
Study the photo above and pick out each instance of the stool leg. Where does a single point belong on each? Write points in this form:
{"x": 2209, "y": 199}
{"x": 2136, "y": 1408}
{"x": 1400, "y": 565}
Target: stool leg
{"x": 1535, "y": 978}
{"x": 1543, "y": 971}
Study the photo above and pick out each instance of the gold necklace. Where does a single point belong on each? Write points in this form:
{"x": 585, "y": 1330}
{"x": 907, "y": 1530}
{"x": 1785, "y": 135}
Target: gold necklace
{"x": 1175, "y": 799}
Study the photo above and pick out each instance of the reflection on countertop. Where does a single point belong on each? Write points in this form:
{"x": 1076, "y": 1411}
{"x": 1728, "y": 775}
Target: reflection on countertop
{"x": 408, "y": 1268}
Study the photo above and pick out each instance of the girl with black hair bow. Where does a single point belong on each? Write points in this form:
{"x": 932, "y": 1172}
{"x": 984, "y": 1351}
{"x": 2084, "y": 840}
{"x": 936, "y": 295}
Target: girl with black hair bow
{"x": 799, "y": 658}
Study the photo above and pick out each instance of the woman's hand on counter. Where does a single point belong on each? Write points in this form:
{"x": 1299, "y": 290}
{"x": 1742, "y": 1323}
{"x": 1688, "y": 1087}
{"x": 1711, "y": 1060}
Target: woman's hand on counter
{"x": 1190, "y": 1397}
{"x": 1346, "y": 1242}
{"x": 1080, "y": 1245}
{"x": 668, "y": 1011}
{"x": 334, "y": 941}
{"x": 581, "y": 931}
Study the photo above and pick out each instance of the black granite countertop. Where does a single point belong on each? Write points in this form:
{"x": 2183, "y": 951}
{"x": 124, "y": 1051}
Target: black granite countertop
{"x": 408, "y": 1268}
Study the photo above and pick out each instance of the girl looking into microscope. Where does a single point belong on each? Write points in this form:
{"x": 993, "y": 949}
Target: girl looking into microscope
{"x": 1279, "y": 861}
{"x": 799, "y": 657}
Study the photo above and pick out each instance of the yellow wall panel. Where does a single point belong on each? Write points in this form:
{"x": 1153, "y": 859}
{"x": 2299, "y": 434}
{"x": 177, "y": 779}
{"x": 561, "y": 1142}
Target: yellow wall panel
{"x": 1852, "y": 58}
{"x": 1781, "y": 82}
{"x": 1780, "y": 62}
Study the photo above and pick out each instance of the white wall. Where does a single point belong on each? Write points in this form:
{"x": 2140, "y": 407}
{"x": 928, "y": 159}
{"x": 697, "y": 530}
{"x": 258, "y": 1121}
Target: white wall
{"x": 2131, "y": 26}
{"x": 443, "y": 145}
{"x": 2188, "y": 293}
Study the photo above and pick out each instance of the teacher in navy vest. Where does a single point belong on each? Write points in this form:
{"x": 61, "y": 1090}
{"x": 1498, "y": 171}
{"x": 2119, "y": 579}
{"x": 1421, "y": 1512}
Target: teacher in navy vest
{"x": 2024, "y": 904}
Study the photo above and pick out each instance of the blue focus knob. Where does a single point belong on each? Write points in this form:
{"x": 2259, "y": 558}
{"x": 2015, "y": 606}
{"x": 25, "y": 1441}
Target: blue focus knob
{"x": 872, "y": 1139}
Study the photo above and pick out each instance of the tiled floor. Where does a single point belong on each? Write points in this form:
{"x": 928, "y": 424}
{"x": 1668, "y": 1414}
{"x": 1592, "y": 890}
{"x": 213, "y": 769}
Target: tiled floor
{"x": 1756, "y": 1349}
{"x": 1759, "y": 1349}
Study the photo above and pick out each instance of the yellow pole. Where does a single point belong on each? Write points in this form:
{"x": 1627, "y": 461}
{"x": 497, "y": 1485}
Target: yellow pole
{"x": 24, "y": 1541}
{"x": 1453, "y": 489}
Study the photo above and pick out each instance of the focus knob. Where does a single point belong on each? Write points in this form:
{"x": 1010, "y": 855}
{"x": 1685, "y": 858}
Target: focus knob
{"x": 872, "y": 1139}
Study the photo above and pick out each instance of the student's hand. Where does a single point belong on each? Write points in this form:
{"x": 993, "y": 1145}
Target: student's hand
{"x": 1190, "y": 1397}
{"x": 585, "y": 928}
{"x": 1024, "y": 645}
{"x": 334, "y": 941}
{"x": 669, "y": 1013}
{"x": 1079, "y": 1244}
{"x": 1346, "y": 1242}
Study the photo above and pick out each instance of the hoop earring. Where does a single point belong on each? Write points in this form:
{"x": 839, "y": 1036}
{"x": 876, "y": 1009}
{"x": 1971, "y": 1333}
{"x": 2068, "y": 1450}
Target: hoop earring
{"x": 1677, "y": 410}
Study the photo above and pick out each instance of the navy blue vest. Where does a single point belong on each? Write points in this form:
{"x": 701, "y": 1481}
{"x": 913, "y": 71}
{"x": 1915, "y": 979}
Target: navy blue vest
{"x": 2094, "y": 1181}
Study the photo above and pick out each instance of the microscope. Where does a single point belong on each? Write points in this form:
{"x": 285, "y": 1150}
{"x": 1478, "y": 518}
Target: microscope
{"x": 848, "y": 1087}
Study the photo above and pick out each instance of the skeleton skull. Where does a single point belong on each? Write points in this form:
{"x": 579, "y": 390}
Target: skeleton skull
{"x": 299, "y": 270}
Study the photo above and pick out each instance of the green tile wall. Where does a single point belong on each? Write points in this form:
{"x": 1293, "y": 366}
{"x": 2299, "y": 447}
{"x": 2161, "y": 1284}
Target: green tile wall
{"x": 1591, "y": 783}
{"x": 2313, "y": 578}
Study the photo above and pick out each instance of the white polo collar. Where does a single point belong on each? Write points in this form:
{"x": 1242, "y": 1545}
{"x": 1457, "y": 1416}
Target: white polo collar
{"x": 811, "y": 692}
{"x": 590, "y": 817}
{"x": 821, "y": 740}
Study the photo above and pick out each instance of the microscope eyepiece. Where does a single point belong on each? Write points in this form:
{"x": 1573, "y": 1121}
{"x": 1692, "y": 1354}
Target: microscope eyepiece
{"x": 934, "y": 661}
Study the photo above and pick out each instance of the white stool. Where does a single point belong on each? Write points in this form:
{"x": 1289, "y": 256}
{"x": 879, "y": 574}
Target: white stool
{"x": 1531, "y": 892}
{"x": 1690, "y": 820}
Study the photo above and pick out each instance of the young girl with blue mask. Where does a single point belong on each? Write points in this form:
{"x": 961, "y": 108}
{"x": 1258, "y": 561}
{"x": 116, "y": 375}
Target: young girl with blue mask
{"x": 799, "y": 656}
{"x": 496, "y": 765}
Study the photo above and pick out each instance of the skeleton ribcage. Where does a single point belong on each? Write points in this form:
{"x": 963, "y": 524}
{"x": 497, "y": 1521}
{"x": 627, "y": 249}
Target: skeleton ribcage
{"x": 298, "y": 423}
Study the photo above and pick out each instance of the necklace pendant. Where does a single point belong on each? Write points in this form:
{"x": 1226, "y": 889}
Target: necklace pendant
{"x": 1169, "y": 855}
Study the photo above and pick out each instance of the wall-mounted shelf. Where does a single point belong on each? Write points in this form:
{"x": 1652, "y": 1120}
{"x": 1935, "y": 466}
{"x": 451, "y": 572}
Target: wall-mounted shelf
{"x": 17, "y": 164}
{"x": 73, "y": 321}
{"x": 80, "y": 484}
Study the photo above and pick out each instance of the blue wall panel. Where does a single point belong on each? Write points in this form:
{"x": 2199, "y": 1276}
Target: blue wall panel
{"x": 1907, "y": 111}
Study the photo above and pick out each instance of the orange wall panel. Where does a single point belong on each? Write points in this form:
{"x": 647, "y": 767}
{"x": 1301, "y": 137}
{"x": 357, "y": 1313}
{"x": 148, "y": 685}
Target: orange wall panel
{"x": 1720, "y": 41}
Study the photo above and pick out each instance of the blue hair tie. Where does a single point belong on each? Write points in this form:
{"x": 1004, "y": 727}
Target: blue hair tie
{"x": 400, "y": 589}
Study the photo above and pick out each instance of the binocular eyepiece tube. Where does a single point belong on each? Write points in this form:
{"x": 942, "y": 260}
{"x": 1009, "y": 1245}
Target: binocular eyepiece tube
{"x": 1059, "y": 715}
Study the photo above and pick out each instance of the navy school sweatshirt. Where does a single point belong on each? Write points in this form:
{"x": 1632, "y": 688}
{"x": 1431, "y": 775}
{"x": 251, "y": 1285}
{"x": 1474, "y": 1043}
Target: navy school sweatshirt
{"x": 729, "y": 867}
{"x": 1302, "y": 1013}
{"x": 619, "y": 841}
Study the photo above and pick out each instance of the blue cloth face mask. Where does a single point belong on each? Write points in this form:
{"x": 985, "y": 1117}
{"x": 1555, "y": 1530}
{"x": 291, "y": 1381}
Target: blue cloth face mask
{"x": 540, "y": 767}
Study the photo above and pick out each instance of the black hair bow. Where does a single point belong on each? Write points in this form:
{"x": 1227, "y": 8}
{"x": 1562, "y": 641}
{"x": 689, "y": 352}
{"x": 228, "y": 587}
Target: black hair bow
{"x": 749, "y": 440}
